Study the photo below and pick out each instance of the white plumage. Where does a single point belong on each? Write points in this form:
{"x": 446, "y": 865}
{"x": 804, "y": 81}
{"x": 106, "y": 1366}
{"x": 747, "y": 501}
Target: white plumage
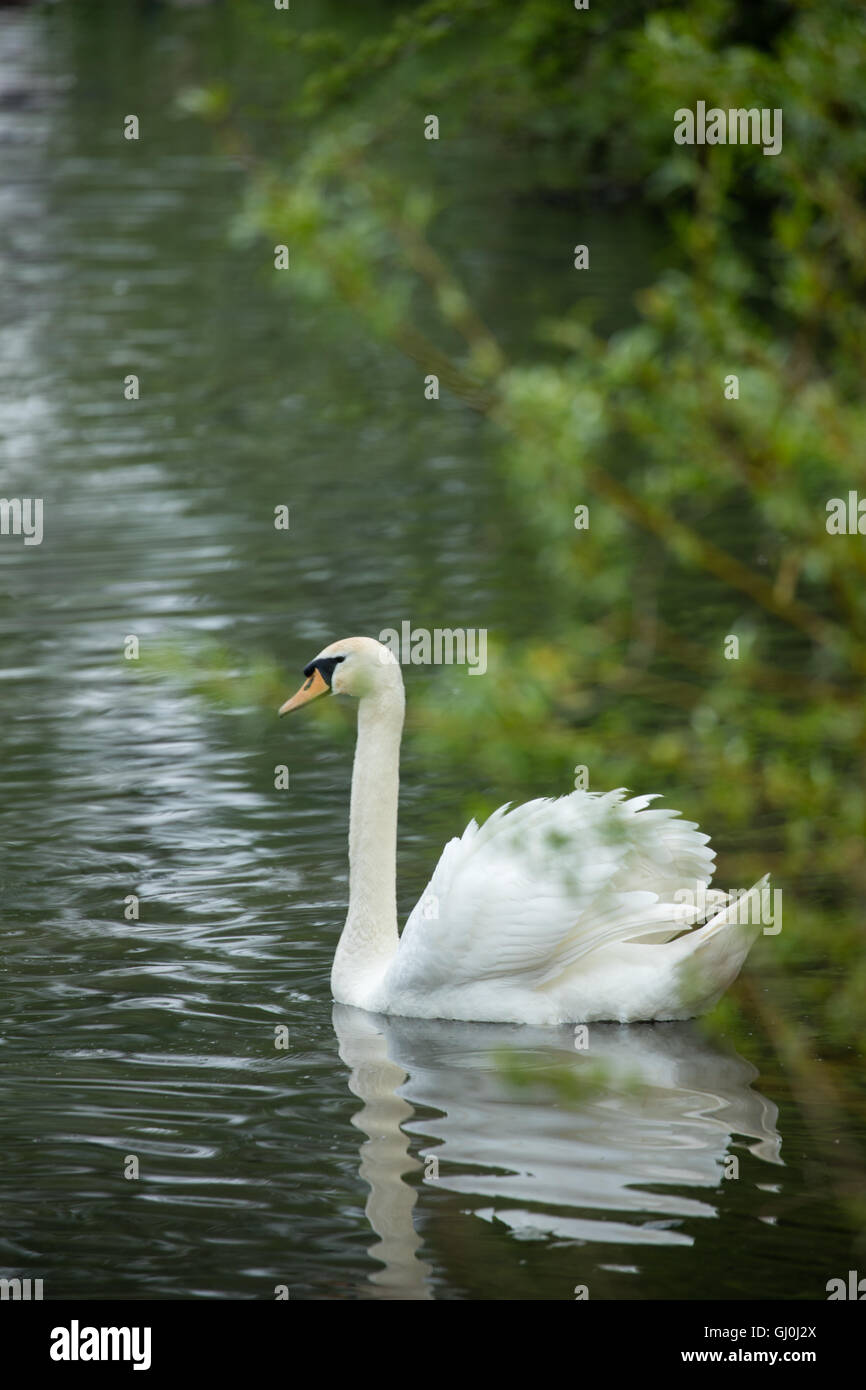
{"x": 573, "y": 909}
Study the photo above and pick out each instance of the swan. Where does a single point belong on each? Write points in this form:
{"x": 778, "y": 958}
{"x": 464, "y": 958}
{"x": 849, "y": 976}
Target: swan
{"x": 573, "y": 909}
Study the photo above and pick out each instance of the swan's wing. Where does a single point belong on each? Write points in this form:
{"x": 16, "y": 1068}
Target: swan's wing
{"x": 535, "y": 889}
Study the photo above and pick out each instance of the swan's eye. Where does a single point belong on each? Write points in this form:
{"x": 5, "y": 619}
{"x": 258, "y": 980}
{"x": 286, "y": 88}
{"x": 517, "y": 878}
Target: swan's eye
{"x": 325, "y": 666}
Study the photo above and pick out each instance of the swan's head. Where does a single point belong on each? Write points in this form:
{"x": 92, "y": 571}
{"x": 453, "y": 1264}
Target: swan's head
{"x": 358, "y": 666}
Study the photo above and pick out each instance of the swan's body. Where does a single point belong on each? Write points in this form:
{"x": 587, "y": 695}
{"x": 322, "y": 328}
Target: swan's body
{"x": 568, "y": 910}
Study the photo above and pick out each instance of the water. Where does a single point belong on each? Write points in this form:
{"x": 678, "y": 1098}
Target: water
{"x": 153, "y": 1040}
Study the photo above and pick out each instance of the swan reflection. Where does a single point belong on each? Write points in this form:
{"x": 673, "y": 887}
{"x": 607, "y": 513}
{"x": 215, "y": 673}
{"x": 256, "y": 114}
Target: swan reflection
{"x": 673, "y": 1110}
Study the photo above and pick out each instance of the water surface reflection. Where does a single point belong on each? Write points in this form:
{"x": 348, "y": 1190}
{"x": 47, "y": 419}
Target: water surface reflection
{"x": 614, "y": 1168}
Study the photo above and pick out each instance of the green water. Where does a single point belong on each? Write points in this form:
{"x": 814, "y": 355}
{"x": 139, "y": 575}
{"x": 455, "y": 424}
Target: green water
{"x": 309, "y": 1166}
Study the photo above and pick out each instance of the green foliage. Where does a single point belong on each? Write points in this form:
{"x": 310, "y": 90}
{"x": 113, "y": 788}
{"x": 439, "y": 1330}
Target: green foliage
{"x": 688, "y": 492}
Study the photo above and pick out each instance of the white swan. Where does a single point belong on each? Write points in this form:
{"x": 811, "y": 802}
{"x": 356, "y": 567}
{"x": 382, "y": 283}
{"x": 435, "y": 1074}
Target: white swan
{"x": 567, "y": 910}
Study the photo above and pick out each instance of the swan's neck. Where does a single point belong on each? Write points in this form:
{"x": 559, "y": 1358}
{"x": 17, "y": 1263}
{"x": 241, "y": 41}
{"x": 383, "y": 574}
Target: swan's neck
{"x": 369, "y": 938}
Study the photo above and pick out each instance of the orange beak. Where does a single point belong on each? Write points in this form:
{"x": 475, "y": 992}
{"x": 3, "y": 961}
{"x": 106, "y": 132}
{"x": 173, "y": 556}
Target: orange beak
{"x": 310, "y": 690}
